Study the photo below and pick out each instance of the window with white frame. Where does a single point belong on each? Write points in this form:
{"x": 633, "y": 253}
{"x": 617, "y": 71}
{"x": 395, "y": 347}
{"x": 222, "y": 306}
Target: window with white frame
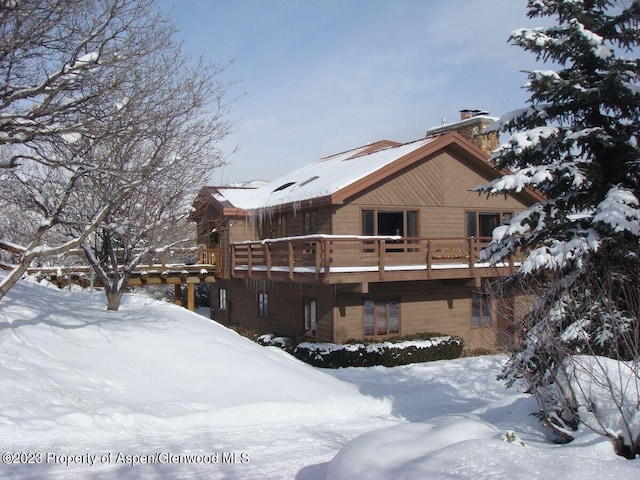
{"x": 310, "y": 316}
{"x": 222, "y": 299}
{"x": 263, "y": 304}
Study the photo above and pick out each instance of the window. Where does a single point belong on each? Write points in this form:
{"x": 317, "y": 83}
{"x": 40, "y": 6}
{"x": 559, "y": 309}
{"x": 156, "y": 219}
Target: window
{"x": 368, "y": 226}
{"x": 310, "y": 316}
{"x": 412, "y": 224}
{"x": 482, "y": 224}
{"x": 310, "y": 222}
{"x": 276, "y": 227}
{"x": 263, "y": 304}
{"x": 481, "y": 307}
{"x": 222, "y": 299}
{"x": 381, "y": 317}
{"x": 280, "y": 226}
{"x": 390, "y": 222}
{"x": 308, "y": 180}
{"x": 214, "y": 234}
{"x": 283, "y": 186}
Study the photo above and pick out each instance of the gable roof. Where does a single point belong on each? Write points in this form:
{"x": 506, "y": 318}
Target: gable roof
{"x": 333, "y": 179}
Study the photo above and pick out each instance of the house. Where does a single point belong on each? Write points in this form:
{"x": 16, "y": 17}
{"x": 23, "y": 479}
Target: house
{"x": 378, "y": 241}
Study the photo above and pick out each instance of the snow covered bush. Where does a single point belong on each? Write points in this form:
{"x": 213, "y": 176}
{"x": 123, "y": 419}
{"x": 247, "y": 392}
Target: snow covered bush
{"x": 577, "y": 143}
{"x": 424, "y": 347}
{"x": 580, "y": 350}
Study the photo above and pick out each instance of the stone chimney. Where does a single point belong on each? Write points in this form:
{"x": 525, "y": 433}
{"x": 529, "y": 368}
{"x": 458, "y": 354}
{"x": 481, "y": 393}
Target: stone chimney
{"x": 472, "y": 126}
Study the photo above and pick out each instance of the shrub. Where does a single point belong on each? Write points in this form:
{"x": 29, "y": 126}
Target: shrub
{"x": 388, "y": 353}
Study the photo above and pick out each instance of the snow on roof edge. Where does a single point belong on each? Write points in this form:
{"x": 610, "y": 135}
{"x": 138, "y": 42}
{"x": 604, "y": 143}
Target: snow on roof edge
{"x": 320, "y": 178}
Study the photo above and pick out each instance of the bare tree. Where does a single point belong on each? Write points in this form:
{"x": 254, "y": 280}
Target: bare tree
{"x": 97, "y": 100}
{"x": 179, "y": 118}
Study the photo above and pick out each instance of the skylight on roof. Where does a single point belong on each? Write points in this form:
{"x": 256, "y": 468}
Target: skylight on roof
{"x": 282, "y": 187}
{"x": 309, "y": 180}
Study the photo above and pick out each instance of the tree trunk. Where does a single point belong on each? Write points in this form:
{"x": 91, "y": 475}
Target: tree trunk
{"x": 113, "y": 299}
{"x": 13, "y": 277}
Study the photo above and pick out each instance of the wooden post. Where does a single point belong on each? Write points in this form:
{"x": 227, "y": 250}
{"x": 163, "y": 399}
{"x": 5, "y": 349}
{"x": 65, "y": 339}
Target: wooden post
{"x": 429, "y": 258}
{"x": 191, "y": 296}
{"x": 382, "y": 246}
{"x": 472, "y": 256}
{"x": 291, "y": 259}
{"x": 249, "y": 261}
{"x": 233, "y": 260}
{"x": 319, "y": 245}
{"x": 267, "y": 257}
{"x": 178, "y": 294}
{"x": 327, "y": 259}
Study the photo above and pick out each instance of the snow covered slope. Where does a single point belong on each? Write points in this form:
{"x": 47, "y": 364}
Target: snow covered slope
{"x": 156, "y": 392}
{"x": 68, "y": 364}
{"x": 75, "y": 377}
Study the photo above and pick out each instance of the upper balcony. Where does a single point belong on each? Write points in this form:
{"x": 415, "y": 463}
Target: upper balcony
{"x": 355, "y": 259}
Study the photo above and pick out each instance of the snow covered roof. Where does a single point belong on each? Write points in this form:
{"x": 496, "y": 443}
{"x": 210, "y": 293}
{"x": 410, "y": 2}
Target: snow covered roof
{"x": 321, "y": 178}
{"x": 334, "y": 178}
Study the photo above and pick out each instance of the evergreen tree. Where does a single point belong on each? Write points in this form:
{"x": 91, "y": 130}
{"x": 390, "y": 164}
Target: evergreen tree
{"x": 577, "y": 143}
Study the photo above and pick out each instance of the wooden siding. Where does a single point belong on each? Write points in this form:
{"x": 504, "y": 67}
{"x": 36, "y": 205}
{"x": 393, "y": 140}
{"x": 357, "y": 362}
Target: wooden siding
{"x": 428, "y": 306}
{"x": 203, "y": 231}
{"x": 285, "y": 310}
{"x": 295, "y": 221}
{"x": 438, "y": 187}
{"x": 425, "y": 306}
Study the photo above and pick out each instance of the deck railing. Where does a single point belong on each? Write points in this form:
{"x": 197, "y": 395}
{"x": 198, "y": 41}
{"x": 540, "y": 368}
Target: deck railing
{"x": 326, "y": 254}
{"x": 74, "y": 260}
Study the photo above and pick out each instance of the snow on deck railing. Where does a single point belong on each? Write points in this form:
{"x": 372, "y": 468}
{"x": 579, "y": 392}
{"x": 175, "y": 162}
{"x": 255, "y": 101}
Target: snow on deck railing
{"x": 12, "y": 247}
{"x": 326, "y": 254}
{"x": 157, "y": 261}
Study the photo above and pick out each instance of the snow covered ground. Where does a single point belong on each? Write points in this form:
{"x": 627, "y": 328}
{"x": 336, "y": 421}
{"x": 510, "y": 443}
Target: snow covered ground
{"x": 155, "y": 391}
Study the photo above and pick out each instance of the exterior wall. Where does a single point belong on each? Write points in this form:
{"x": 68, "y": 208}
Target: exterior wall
{"x": 232, "y": 229}
{"x": 209, "y": 214}
{"x": 294, "y": 221}
{"x": 426, "y": 306}
{"x": 439, "y": 188}
{"x": 285, "y": 310}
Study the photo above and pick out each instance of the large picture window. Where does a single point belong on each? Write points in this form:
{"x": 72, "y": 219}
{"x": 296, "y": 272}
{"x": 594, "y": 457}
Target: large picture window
{"x": 381, "y": 317}
{"x": 402, "y": 223}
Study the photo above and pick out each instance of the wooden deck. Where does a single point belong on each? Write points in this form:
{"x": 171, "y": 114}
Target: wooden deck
{"x": 162, "y": 268}
{"x": 354, "y": 259}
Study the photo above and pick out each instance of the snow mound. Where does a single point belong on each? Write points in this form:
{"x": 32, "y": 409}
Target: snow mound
{"x": 68, "y": 366}
{"x": 403, "y": 446}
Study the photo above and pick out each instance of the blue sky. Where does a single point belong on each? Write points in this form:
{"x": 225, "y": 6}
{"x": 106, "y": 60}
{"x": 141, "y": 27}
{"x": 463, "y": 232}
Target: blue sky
{"x": 317, "y": 77}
